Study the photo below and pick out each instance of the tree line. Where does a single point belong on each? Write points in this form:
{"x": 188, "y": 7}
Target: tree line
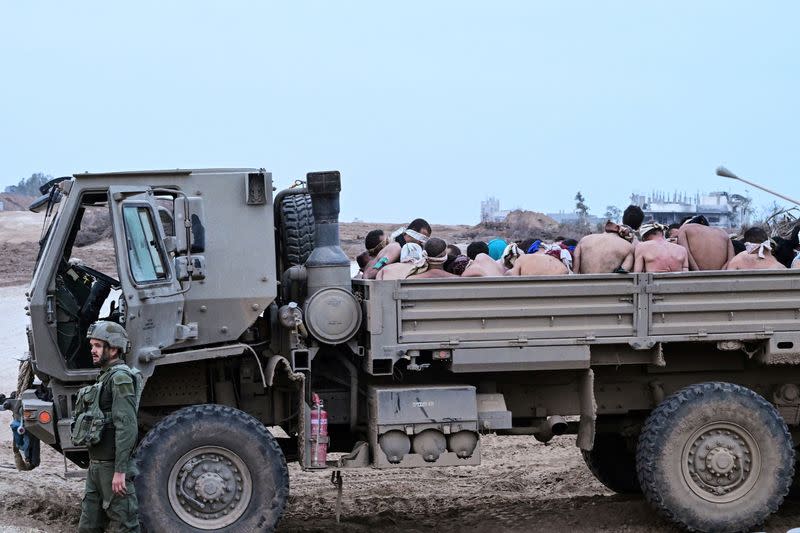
{"x": 29, "y": 186}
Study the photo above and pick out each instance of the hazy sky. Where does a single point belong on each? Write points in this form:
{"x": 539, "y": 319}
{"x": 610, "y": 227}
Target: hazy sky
{"x": 425, "y": 107}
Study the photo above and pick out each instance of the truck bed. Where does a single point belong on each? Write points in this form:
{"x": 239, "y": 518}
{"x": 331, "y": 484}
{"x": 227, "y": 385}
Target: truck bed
{"x": 548, "y": 314}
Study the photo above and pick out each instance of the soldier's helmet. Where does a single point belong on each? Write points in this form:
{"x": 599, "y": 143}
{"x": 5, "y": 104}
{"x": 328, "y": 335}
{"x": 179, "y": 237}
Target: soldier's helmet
{"x": 111, "y": 332}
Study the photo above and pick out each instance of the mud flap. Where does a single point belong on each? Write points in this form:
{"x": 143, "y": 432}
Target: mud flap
{"x": 586, "y": 427}
{"x": 280, "y": 364}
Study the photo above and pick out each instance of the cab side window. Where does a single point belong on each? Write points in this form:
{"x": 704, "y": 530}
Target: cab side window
{"x": 144, "y": 254}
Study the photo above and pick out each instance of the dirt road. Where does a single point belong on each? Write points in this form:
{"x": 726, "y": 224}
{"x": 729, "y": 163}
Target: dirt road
{"x": 522, "y": 485}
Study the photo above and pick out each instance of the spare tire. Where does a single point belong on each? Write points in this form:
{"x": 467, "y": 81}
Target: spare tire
{"x": 296, "y": 229}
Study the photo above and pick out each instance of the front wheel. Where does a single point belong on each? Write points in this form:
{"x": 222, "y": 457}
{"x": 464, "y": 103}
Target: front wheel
{"x": 211, "y": 468}
{"x": 715, "y": 457}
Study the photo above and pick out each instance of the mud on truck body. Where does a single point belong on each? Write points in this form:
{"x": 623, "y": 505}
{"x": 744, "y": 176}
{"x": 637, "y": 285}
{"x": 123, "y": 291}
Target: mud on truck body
{"x": 241, "y": 312}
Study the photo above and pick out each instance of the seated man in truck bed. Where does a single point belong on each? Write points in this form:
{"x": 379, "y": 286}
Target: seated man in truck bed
{"x": 417, "y": 231}
{"x": 538, "y": 264}
{"x": 605, "y": 252}
{"x": 757, "y": 254}
{"x": 477, "y": 247}
{"x": 787, "y": 250}
{"x": 709, "y": 248}
{"x": 388, "y": 255}
{"x": 483, "y": 266}
{"x": 656, "y": 254}
{"x": 436, "y": 252}
{"x": 633, "y": 216}
{"x": 412, "y": 261}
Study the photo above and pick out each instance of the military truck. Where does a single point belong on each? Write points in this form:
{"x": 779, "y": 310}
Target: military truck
{"x": 249, "y": 331}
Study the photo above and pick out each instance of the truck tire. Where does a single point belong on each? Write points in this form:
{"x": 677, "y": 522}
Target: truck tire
{"x": 613, "y": 463}
{"x": 715, "y": 457}
{"x": 296, "y": 229}
{"x": 210, "y": 468}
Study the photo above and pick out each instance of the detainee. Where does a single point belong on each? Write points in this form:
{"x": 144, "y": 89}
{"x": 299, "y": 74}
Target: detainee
{"x": 656, "y": 254}
{"x": 757, "y": 254}
{"x": 610, "y": 251}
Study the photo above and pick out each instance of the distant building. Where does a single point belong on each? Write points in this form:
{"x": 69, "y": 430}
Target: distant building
{"x": 721, "y": 209}
{"x": 491, "y": 212}
{"x": 2, "y": 206}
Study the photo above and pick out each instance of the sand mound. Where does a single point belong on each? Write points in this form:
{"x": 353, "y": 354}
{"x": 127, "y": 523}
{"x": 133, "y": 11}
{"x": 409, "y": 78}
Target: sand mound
{"x": 15, "y": 202}
{"x": 530, "y": 220}
{"x": 20, "y": 226}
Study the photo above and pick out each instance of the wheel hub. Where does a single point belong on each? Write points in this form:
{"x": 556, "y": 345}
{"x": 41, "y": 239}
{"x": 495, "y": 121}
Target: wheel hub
{"x": 718, "y": 462}
{"x": 210, "y": 487}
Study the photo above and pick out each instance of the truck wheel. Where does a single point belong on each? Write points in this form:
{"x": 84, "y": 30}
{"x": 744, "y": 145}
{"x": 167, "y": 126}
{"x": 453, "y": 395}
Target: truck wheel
{"x": 297, "y": 229}
{"x": 715, "y": 457}
{"x": 210, "y": 468}
{"x": 613, "y": 463}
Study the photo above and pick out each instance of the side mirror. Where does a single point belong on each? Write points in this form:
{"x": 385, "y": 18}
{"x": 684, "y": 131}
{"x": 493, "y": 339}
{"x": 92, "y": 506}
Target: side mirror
{"x": 189, "y": 214}
{"x": 195, "y": 270}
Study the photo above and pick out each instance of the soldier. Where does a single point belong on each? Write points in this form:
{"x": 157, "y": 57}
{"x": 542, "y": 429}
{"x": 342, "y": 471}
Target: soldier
{"x": 105, "y": 422}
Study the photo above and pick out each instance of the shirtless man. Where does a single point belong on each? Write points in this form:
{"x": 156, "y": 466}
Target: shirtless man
{"x": 656, "y": 254}
{"x": 417, "y": 231}
{"x": 362, "y": 260}
{"x": 603, "y": 252}
{"x": 388, "y": 255}
{"x": 672, "y": 232}
{"x": 633, "y": 216}
{"x": 709, "y": 248}
{"x": 436, "y": 249}
{"x": 483, "y": 266}
{"x": 453, "y": 250}
{"x": 412, "y": 260}
{"x": 757, "y": 254}
{"x": 477, "y": 247}
{"x": 537, "y": 264}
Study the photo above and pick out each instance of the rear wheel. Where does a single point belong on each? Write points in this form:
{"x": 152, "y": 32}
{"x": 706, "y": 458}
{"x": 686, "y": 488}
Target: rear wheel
{"x": 715, "y": 457}
{"x": 613, "y": 463}
{"x": 211, "y": 468}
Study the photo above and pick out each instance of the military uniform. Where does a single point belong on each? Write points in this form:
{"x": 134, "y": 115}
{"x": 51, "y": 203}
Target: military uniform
{"x": 101, "y": 509}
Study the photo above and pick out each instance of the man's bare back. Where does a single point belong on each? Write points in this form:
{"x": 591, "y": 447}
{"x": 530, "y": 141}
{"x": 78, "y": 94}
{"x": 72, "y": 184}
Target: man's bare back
{"x": 709, "y": 248}
{"x": 602, "y": 253}
{"x": 483, "y": 266}
{"x": 660, "y": 255}
{"x": 538, "y": 264}
{"x": 751, "y": 261}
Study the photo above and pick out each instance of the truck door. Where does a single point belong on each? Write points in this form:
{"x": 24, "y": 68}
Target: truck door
{"x": 152, "y": 295}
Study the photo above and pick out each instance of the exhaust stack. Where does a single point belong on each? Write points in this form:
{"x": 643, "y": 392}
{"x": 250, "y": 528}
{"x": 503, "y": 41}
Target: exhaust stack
{"x": 327, "y": 265}
{"x": 332, "y": 313}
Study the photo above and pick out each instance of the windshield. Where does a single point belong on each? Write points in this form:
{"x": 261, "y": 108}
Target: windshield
{"x": 49, "y": 223}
